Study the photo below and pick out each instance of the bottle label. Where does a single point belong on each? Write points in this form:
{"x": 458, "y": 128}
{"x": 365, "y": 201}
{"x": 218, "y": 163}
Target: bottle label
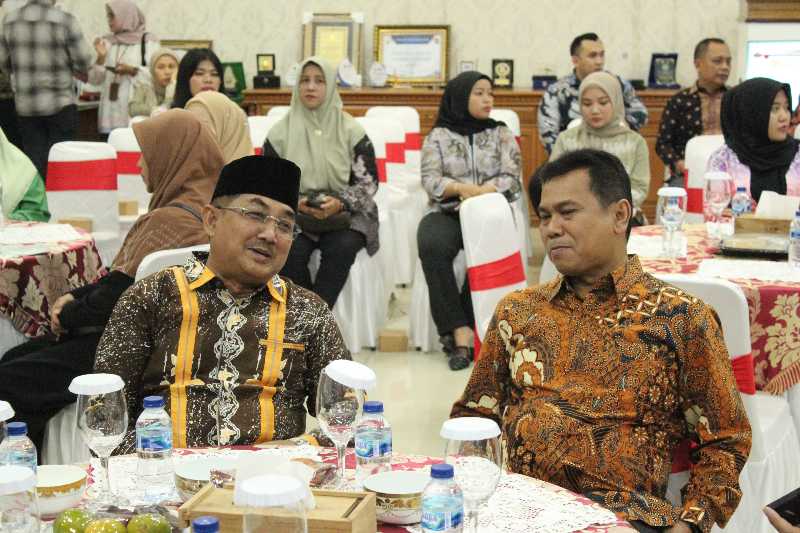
{"x": 154, "y": 442}
{"x": 435, "y": 520}
{"x": 368, "y": 448}
{"x": 794, "y": 234}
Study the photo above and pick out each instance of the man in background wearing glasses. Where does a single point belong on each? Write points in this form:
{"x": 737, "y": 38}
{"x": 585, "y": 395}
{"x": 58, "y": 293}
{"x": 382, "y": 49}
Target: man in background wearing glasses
{"x": 234, "y": 349}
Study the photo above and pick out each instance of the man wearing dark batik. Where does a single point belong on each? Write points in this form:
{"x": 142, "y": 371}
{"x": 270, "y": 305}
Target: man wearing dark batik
{"x": 234, "y": 349}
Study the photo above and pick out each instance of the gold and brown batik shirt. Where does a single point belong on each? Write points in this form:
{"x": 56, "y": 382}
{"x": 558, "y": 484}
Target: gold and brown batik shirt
{"x": 231, "y": 370}
{"x": 595, "y": 394}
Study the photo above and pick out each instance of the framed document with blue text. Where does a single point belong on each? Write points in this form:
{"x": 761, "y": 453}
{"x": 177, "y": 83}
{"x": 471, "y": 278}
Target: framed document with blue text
{"x": 333, "y": 36}
{"x": 413, "y": 55}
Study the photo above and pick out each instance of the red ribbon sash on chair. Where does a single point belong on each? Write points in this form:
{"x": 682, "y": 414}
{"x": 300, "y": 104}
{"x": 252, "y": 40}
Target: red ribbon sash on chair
{"x": 128, "y": 163}
{"x": 694, "y": 201}
{"x": 259, "y": 150}
{"x": 395, "y": 153}
{"x": 97, "y": 175}
{"x": 381, "y": 164}
{"x": 413, "y": 141}
{"x": 501, "y": 273}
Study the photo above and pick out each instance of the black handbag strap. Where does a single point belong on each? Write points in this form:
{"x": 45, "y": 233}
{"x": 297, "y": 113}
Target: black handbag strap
{"x": 188, "y": 209}
{"x": 144, "y": 59}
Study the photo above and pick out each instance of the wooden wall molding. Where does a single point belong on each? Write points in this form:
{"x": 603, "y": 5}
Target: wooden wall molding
{"x": 773, "y": 10}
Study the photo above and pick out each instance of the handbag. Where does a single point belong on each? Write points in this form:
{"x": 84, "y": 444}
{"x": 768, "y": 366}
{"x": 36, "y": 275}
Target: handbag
{"x": 310, "y": 224}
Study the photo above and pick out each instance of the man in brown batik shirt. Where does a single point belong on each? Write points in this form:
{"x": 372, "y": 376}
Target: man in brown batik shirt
{"x": 597, "y": 376}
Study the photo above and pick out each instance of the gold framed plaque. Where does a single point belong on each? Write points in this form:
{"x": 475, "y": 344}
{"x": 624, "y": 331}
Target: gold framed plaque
{"x": 413, "y": 55}
{"x": 184, "y": 45}
{"x": 333, "y": 36}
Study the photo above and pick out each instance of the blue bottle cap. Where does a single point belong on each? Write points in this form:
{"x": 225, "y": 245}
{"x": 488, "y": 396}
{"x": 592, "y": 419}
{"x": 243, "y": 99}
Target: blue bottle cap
{"x": 15, "y": 429}
{"x": 373, "y": 406}
{"x": 205, "y": 524}
{"x": 151, "y": 402}
{"x": 741, "y": 189}
{"x": 442, "y": 471}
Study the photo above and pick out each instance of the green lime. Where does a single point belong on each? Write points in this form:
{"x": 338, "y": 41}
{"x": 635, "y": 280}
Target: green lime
{"x": 72, "y": 521}
{"x": 149, "y": 523}
{"x": 105, "y": 525}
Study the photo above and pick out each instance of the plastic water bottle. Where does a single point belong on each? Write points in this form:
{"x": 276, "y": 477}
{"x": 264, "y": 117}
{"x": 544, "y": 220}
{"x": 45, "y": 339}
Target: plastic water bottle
{"x": 154, "y": 450}
{"x": 794, "y": 242}
{"x": 205, "y": 524}
{"x": 442, "y": 502}
{"x": 740, "y": 204}
{"x": 17, "y": 448}
{"x": 373, "y": 436}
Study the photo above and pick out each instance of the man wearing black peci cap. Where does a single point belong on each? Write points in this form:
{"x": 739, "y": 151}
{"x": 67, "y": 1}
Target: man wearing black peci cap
{"x": 233, "y": 348}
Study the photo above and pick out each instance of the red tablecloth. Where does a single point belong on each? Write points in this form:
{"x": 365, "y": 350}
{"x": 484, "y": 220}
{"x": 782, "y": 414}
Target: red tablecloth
{"x": 29, "y": 284}
{"x": 774, "y": 311}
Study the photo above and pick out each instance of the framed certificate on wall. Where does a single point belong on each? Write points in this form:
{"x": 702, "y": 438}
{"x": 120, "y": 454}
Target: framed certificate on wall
{"x": 334, "y": 36}
{"x": 413, "y": 55}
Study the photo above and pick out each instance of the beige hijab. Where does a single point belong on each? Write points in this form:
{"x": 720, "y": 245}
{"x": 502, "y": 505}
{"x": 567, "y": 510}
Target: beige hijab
{"x": 609, "y": 84}
{"x": 321, "y": 141}
{"x": 160, "y": 91}
{"x": 183, "y": 164}
{"x": 227, "y": 122}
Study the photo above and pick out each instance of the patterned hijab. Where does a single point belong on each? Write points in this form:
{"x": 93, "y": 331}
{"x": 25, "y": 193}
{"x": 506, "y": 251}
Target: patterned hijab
{"x": 454, "y": 112}
{"x": 131, "y": 22}
{"x": 227, "y": 122}
{"x": 609, "y": 84}
{"x": 745, "y": 116}
{"x": 182, "y": 163}
{"x": 320, "y": 142}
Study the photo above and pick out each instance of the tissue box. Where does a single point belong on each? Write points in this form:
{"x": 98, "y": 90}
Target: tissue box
{"x": 84, "y": 223}
{"x": 752, "y": 224}
{"x": 335, "y": 512}
{"x": 392, "y": 340}
{"x": 128, "y": 208}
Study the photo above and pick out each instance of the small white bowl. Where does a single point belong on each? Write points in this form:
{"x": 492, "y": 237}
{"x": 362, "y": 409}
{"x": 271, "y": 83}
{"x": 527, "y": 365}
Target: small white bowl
{"x": 398, "y": 495}
{"x": 59, "y": 487}
{"x": 193, "y": 472}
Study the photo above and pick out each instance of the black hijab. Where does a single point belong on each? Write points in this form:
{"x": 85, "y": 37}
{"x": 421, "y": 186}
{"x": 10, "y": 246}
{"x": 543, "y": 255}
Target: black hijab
{"x": 454, "y": 109}
{"x": 745, "y": 124}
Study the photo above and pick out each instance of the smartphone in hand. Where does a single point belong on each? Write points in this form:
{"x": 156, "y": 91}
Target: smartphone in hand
{"x": 788, "y": 507}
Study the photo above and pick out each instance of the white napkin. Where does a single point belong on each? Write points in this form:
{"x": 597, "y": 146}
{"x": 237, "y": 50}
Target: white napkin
{"x": 652, "y": 246}
{"x": 777, "y": 206}
{"x": 748, "y": 269}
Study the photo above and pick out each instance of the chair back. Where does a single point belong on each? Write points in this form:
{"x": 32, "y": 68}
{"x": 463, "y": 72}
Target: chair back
{"x": 162, "y": 259}
{"x": 494, "y": 265}
{"x": 408, "y": 117}
{"x": 278, "y": 111}
{"x": 82, "y": 182}
{"x": 510, "y": 118}
{"x": 797, "y": 132}
{"x": 130, "y": 184}
{"x": 698, "y": 152}
{"x": 377, "y": 134}
{"x": 259, "y": 129}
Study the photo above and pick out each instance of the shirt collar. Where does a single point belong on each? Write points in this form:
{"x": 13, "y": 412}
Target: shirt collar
{"x": 695, "y": 88}
{"x": 276, "y": 286}
{"x": 621, "y": 280}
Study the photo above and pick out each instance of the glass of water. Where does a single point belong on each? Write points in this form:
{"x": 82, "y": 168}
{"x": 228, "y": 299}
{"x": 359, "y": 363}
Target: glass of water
{"x": 718, "y": 194}
{"x": 670, "y": 212}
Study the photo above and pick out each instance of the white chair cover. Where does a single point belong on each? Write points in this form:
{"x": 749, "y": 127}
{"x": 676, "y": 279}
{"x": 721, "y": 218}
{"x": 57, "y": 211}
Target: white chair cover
{"x": 82, "y": 182}
{"x": 259, "y": 129}
{"x": 162, "y": 259}
{"x": 362, "y": 306}
{"x": 63, "y": 443}
{"x": 698, "y": 152}
{"x": 520, "y": 206}
{"x": 769, "y": 471}
{"x": 422, "y": 330}
{"x": 9, "y": 336}
{"x": 548, "y": 271}
{"x": 129, "y": 175}
{"x": 797, "y": 132}
{"x": 278, "y": 111}
{"x": 409, "y": 119}
{"x": 494, "y": 265}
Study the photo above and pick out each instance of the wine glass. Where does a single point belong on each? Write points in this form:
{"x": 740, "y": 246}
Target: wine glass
{"x": 103, "y": 421}
{"x": 473, "y": 448}
{"x": 340, "y": 399}
{"x": 670, "y": 212}
{"x": 718, "y": 192}
{"x": 6, "y": 413}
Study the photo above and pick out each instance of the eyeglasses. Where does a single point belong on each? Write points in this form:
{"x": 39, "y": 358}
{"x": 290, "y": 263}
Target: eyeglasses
{"x": 283, "y": 228}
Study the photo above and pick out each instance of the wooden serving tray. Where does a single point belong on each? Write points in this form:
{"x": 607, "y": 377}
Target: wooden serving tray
{"x": 335, "y": 512}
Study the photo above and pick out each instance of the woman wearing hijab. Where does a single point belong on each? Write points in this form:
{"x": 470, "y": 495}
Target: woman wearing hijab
{"x": 180, "y": 166}
{"x": 155, "y": 95}
{"x": 603, "y": 127}
{"x": 200, "y": 70}
{"x": 337, "y": 212}
{"x": 227, "y": 122}
{"x": 121, "y": 58}
{"x": 758, "y": 153}
{"x": 466, "y": 154}
{"x": 21, "y": 186}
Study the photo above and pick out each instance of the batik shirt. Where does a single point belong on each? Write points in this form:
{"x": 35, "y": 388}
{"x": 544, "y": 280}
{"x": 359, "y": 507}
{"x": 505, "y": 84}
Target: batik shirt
{"x": 595, "y": 394}
{"x": 560, "y": 105}
{"x": 231, "y": 370}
